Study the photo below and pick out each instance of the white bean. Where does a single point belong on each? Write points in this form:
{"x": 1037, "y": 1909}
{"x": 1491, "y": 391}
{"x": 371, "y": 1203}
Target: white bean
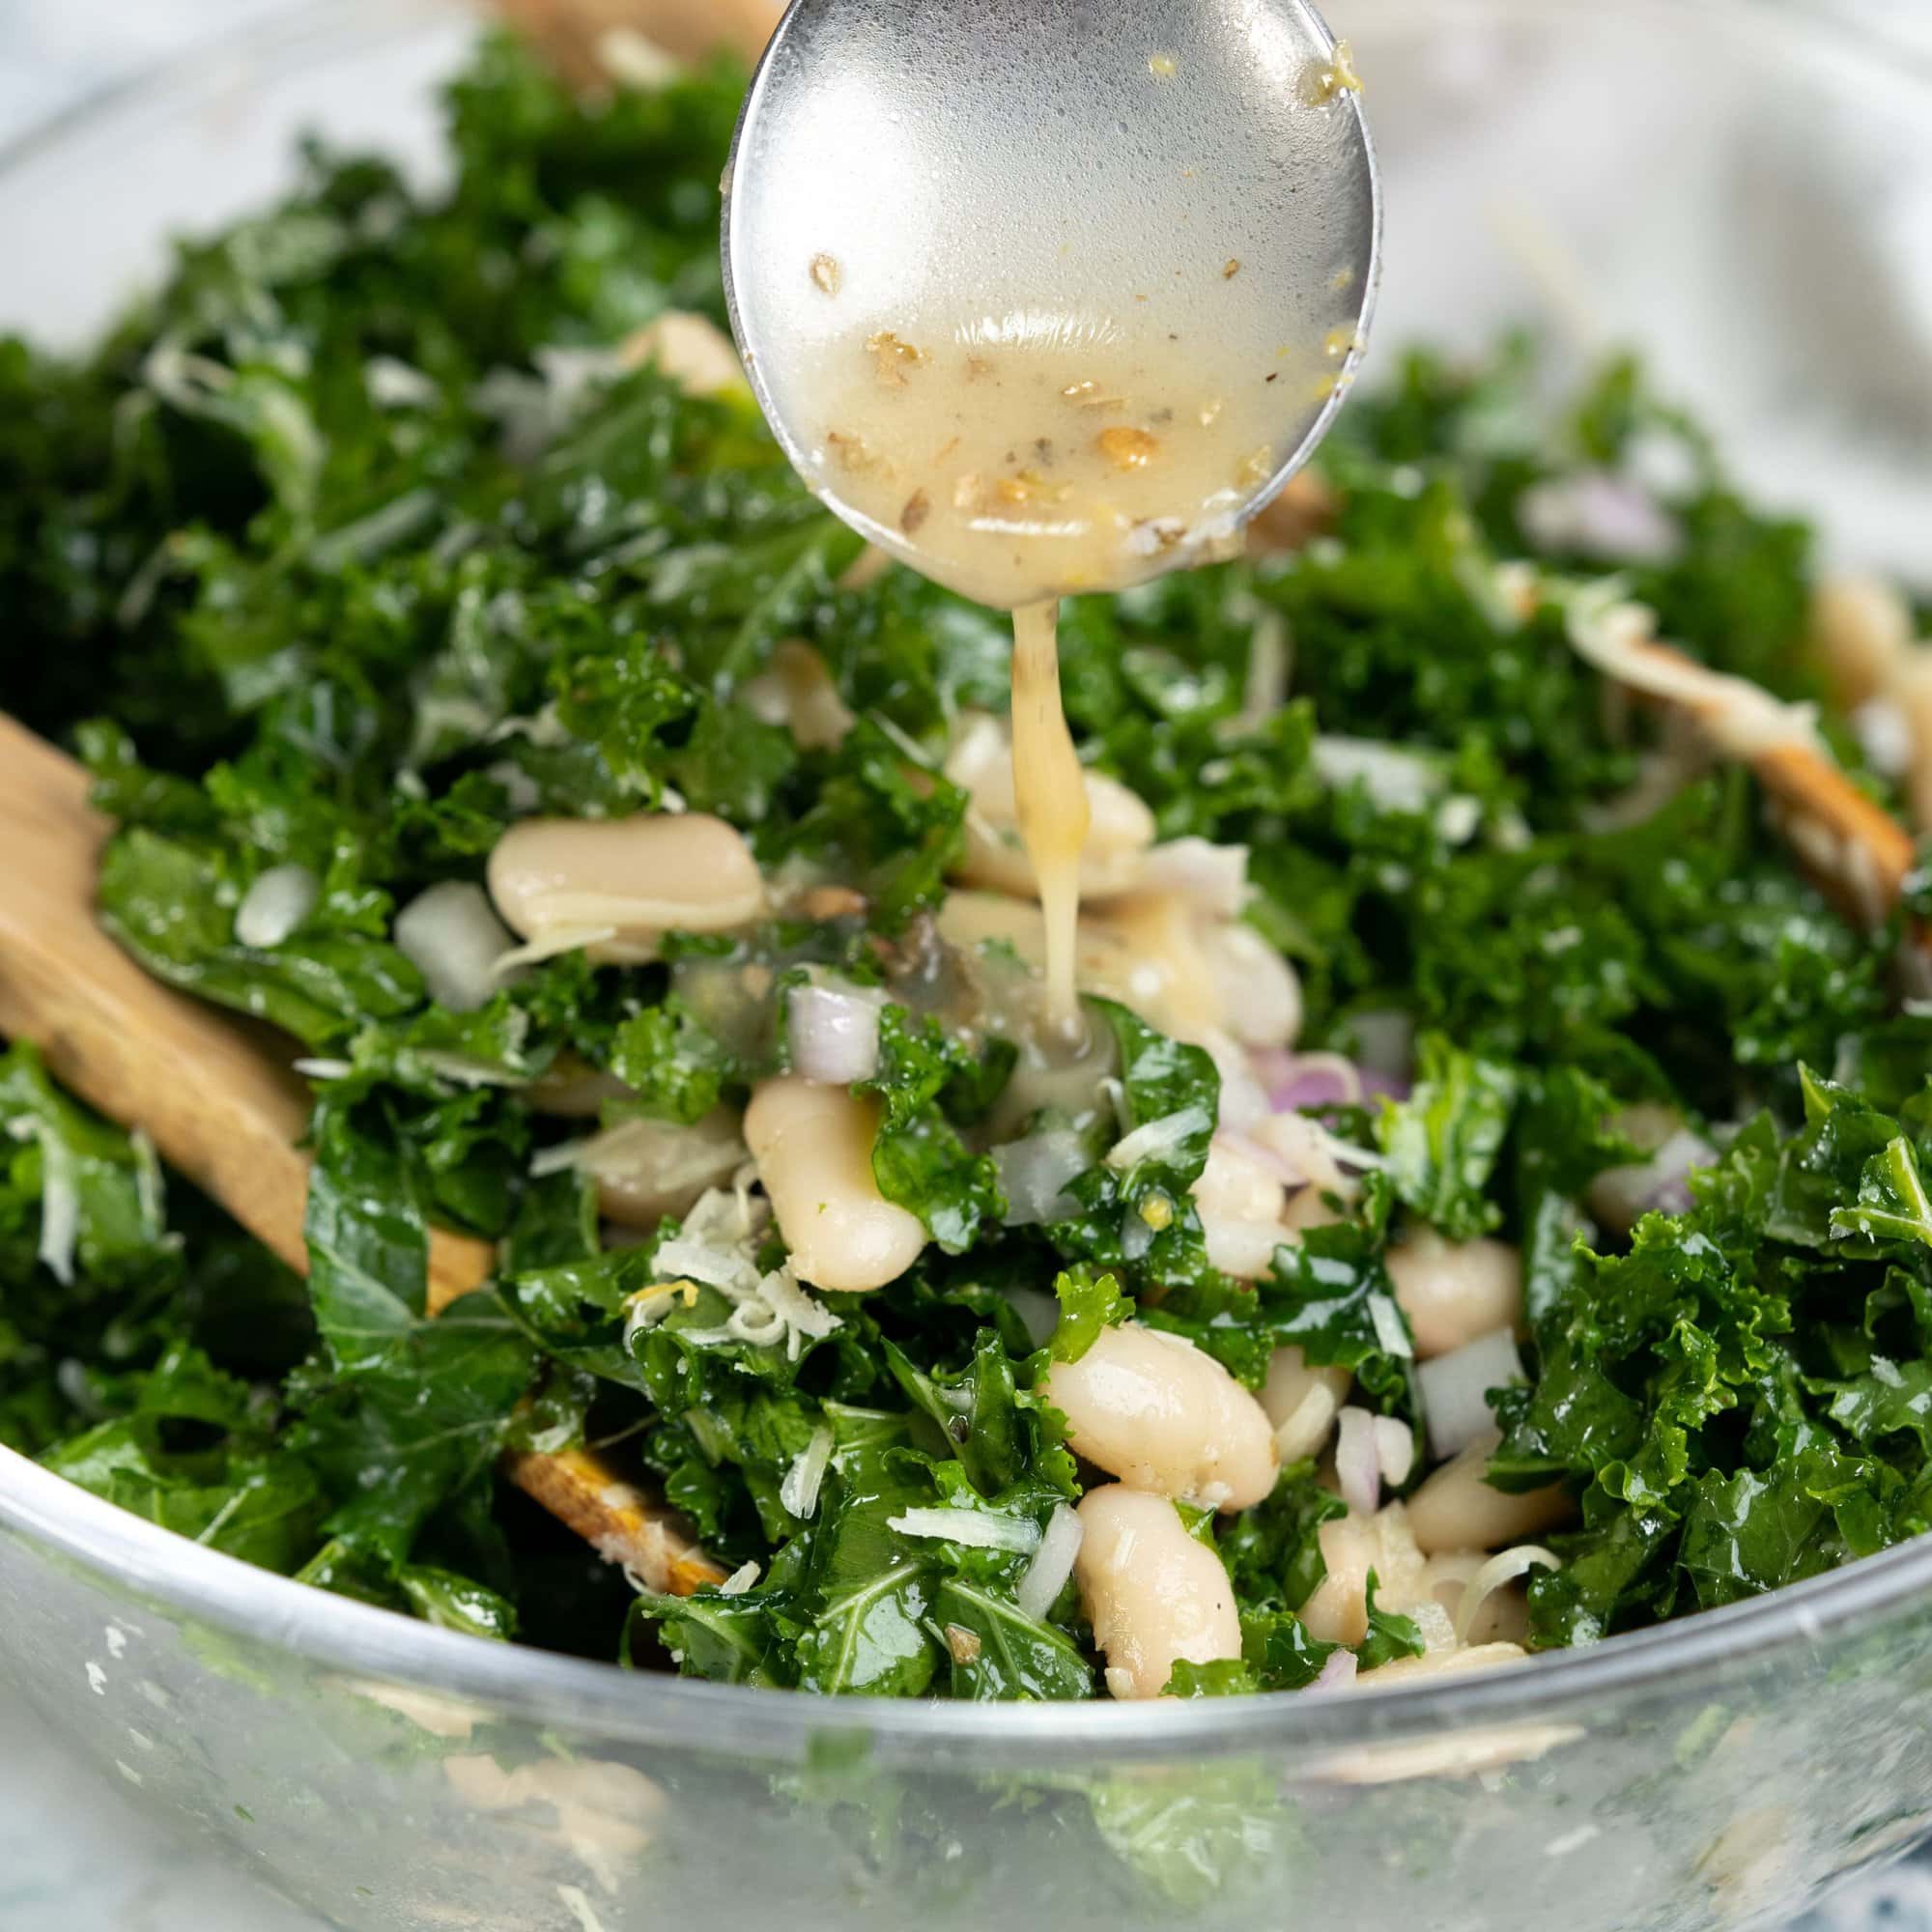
{"x": 1337, "y": 1611}
{"x": 1241, "y": 1200}
{"x": 1162, "y": 970}
{"x": 1119, "y": 832}
{"x": 1167, "y": 1418}
{"x": 1258, "y": 990}
{"x": 1863, "y": 629}
{"x": 814, "y": 1147}
{"x": 1455, "y": 1509}
{"x": 1454, "y": 1291}
{"x": 1144, "y": 952}
{"x": 627, "y": 880}
{"x": 1153, "y": 1593}
{"x": 647, "y": 1168}
{"x": 1302, "y": 1403}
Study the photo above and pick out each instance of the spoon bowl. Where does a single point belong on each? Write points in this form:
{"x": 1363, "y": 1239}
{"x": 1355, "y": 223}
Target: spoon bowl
{"x": 1181, "y": 183}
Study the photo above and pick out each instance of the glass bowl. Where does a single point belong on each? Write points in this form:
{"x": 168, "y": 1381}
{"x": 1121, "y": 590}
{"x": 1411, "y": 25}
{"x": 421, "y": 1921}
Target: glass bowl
{"x": 1745, "y": 191}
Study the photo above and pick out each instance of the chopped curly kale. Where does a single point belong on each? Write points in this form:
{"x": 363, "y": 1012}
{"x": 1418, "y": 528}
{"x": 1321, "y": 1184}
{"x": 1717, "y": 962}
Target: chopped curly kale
{"x": 377, "y": 528}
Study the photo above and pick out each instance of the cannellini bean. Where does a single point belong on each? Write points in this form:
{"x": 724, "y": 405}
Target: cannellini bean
{"x": 1441, "y": 1662}
{"x": 1153, "y": 1593}
{"x": 1241, "y": 1201}
{"x": 814, "y": 1147}
{"x": 1120, "y": 827}
{"x": 1162, "y": 969}
{"x": 1302, "y": 1403}
{"x": 1258, "y": 990}
{"x": 647, "y": 1168}
{"x": 1455, "y": 1509}
{"x": 1309, "y": 1209}
{"x": 691, "y": 349}
{"x": 1863, "y": 629}
{"x": 1337, "y": 1611}
{"x": 624, "y": 881}
{"x": 1145, "y": 952}
{"x": 1454, "y": 1291}
{"x": 1165, "y": 1417}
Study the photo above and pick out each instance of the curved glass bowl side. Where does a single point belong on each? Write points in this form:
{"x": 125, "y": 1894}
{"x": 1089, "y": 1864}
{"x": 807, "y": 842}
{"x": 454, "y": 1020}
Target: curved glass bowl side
{"x": 389, "y": 1775}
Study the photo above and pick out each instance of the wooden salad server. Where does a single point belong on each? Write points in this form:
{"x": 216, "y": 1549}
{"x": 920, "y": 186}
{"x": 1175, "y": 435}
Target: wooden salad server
{"x": 217, "y": 1097}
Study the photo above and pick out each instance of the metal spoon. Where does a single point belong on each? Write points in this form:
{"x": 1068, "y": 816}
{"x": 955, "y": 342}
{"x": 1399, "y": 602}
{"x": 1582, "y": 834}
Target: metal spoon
{"x": 1102, "y": 160}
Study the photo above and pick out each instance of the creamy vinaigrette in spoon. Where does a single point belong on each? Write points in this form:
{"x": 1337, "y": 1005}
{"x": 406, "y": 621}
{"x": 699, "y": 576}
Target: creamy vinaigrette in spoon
{"x": 1018, "y": 463}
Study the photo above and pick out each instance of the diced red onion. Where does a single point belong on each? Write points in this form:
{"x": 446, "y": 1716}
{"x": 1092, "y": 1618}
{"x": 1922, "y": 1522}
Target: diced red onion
{"x": 1453, "y": 1389}
{"x": 275, "y": 904}
{"x": 1212, "y": 877}
{"x": 453, "y": 937}
{"x": 1034, "y": 1172}
{"x": 1621, "y": 1196}
{"x": 1045, "y": 1576}
{"x": 1295, "y": 1081}
{"x": 1357, "y": 1466}
{"x": 1395, "y": 1449}
{"x": 1595, "y": 514}
{"x": 834, "y": 1033}
{"x": 1337, "y": 1673}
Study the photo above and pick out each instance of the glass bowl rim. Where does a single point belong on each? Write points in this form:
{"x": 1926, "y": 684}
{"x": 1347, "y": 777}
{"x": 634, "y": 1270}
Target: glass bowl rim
{"x": 58, "y": 1520}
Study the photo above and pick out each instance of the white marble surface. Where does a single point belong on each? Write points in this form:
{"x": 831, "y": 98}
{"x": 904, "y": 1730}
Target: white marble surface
{"x": 76, "y": 1855}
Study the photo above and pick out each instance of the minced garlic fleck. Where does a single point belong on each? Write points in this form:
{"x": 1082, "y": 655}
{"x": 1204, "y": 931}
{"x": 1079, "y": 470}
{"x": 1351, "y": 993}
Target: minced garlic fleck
{"x": 1322, "y": 82}
{"x": 1128, "y": 448}
{"x": 891, "y": 358}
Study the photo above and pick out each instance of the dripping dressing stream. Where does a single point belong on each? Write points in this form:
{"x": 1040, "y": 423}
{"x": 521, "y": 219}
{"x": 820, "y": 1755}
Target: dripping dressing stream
{"x": 1051, "y": 793}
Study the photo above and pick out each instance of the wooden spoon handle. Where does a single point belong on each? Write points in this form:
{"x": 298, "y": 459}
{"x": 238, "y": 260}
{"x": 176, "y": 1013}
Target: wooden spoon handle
{"x": 221, "y": 1103}
{"x": 1854, "y": 850}
{"x": 215, "y": 1094}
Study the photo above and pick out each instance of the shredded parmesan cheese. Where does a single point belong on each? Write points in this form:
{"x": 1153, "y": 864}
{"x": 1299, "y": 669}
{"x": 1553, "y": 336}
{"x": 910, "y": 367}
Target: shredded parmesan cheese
{"x": 1160, "y": 1140}
{"x": 977, "y": 1529}
{"x": 799, "y": 1489}
{"x": 1740, "y": 718}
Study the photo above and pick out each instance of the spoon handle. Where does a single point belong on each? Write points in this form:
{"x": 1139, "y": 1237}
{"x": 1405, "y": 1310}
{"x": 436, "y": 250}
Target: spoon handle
{"x": 222, "y": 1106}
{"x": 218, "y": 1099}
